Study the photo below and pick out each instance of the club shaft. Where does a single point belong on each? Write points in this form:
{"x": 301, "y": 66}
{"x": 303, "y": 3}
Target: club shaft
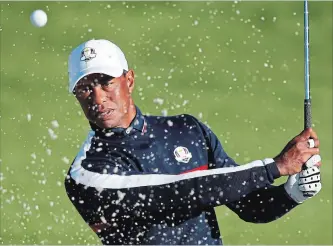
{"x": 307, "y": 100}
{"x": 306, "y": 51}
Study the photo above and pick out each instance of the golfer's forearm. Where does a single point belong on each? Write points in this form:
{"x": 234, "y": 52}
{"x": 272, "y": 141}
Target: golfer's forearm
{"x": 233, "y": 186}
{"x": 264, "y": 205}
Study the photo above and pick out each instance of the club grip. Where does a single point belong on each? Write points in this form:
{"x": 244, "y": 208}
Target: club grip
{"x": 307, "y": 124}
{"x": 307, "y": 114}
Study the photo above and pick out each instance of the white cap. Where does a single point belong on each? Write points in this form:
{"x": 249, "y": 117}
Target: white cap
{"x": 95, "y": 56}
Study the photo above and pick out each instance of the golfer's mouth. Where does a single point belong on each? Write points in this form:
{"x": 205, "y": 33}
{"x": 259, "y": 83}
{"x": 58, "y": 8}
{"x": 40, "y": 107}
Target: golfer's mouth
{"x": 105, "y": 115}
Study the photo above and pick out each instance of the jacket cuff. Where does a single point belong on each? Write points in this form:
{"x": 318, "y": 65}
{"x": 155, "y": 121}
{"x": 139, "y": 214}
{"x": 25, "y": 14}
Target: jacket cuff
{"x": 272, "y": 169}
{"x": 285, "y": 194}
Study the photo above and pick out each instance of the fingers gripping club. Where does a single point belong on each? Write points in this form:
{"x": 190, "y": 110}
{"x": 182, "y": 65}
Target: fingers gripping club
{"x": 311, "y": 143}
{"x": 309, "y": 181}
{"x": 311, "y": 175}
{"x": 313, "y": 161}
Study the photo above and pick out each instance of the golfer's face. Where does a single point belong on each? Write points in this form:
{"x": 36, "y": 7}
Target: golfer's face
{"x": 105, "y": 100}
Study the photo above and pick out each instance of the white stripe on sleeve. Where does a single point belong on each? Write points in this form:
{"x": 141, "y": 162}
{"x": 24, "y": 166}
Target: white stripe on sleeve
{"x": 115, "y": 181}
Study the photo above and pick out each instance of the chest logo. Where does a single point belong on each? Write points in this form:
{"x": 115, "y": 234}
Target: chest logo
{"x": 182, "y": 154}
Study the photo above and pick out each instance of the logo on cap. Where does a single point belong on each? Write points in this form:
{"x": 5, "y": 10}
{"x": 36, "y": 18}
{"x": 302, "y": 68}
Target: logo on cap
{"x": 88, "y": 54}
{"x": 182, "y": 154}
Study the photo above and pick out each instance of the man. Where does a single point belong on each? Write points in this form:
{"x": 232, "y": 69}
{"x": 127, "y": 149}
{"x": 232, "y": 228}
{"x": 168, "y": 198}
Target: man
{"x": 155, "y": 180}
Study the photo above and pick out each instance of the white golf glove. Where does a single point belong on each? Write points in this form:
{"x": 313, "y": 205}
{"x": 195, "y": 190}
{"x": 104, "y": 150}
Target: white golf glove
{"x": 306, "y": 184}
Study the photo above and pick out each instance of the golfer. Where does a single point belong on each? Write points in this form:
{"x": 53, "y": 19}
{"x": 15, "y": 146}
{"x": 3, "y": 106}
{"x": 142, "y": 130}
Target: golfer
{"x": 141, "y": 179}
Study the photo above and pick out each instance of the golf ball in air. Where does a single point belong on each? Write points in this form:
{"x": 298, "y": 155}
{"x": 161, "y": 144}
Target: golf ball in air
{"x": 38, "y": 18}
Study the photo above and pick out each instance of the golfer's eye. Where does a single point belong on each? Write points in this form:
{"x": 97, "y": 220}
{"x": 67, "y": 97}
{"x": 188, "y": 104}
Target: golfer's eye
{"x": 106, "y": 80}
{"x": 83, "y": 90}
{"x": 107, "y": 84}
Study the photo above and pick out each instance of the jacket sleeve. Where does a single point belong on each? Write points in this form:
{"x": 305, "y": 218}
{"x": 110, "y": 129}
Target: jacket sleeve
{"x": 116, "y": 195}
{"x": 259, "y": 206}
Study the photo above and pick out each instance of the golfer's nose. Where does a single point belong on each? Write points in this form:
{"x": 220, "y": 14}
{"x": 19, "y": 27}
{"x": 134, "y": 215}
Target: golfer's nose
{"x": 99, "y": 95}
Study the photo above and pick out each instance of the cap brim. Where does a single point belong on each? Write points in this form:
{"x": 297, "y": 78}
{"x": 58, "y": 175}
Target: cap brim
{"x": 111, "y": 71}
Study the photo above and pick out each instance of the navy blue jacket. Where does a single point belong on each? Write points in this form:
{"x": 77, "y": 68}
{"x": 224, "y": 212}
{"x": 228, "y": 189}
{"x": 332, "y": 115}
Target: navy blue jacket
{"x": 158, "y": 181}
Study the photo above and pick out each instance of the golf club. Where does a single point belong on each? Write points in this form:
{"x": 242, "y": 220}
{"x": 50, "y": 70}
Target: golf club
{"x": 307, "y": 99}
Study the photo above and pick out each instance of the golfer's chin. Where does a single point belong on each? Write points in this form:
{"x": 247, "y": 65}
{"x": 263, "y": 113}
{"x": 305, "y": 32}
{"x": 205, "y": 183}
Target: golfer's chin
{"x": 105, "y": 124}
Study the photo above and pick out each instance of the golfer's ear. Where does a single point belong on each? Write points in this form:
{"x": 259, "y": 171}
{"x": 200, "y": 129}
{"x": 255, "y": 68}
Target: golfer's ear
{"x": 130, "y": 80}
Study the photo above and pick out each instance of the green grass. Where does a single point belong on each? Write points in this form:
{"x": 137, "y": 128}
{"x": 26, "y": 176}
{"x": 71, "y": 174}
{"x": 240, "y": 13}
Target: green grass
{"x": 218, "y": 66}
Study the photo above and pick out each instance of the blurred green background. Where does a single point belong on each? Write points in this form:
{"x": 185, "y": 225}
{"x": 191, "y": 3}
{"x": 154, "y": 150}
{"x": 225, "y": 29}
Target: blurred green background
{"x": 237, "y": 66}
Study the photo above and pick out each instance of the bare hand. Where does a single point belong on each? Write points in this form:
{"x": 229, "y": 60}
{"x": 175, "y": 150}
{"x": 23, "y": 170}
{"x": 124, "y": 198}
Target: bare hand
{"x": 297, "y": 152}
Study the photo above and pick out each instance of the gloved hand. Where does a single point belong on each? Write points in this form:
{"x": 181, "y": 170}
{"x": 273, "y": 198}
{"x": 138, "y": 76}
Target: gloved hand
{"x": 306, "y": 184}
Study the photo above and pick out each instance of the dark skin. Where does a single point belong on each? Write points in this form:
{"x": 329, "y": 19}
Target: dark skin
{"x": 292, "y": 158}
{"x": 108, "y": 103}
